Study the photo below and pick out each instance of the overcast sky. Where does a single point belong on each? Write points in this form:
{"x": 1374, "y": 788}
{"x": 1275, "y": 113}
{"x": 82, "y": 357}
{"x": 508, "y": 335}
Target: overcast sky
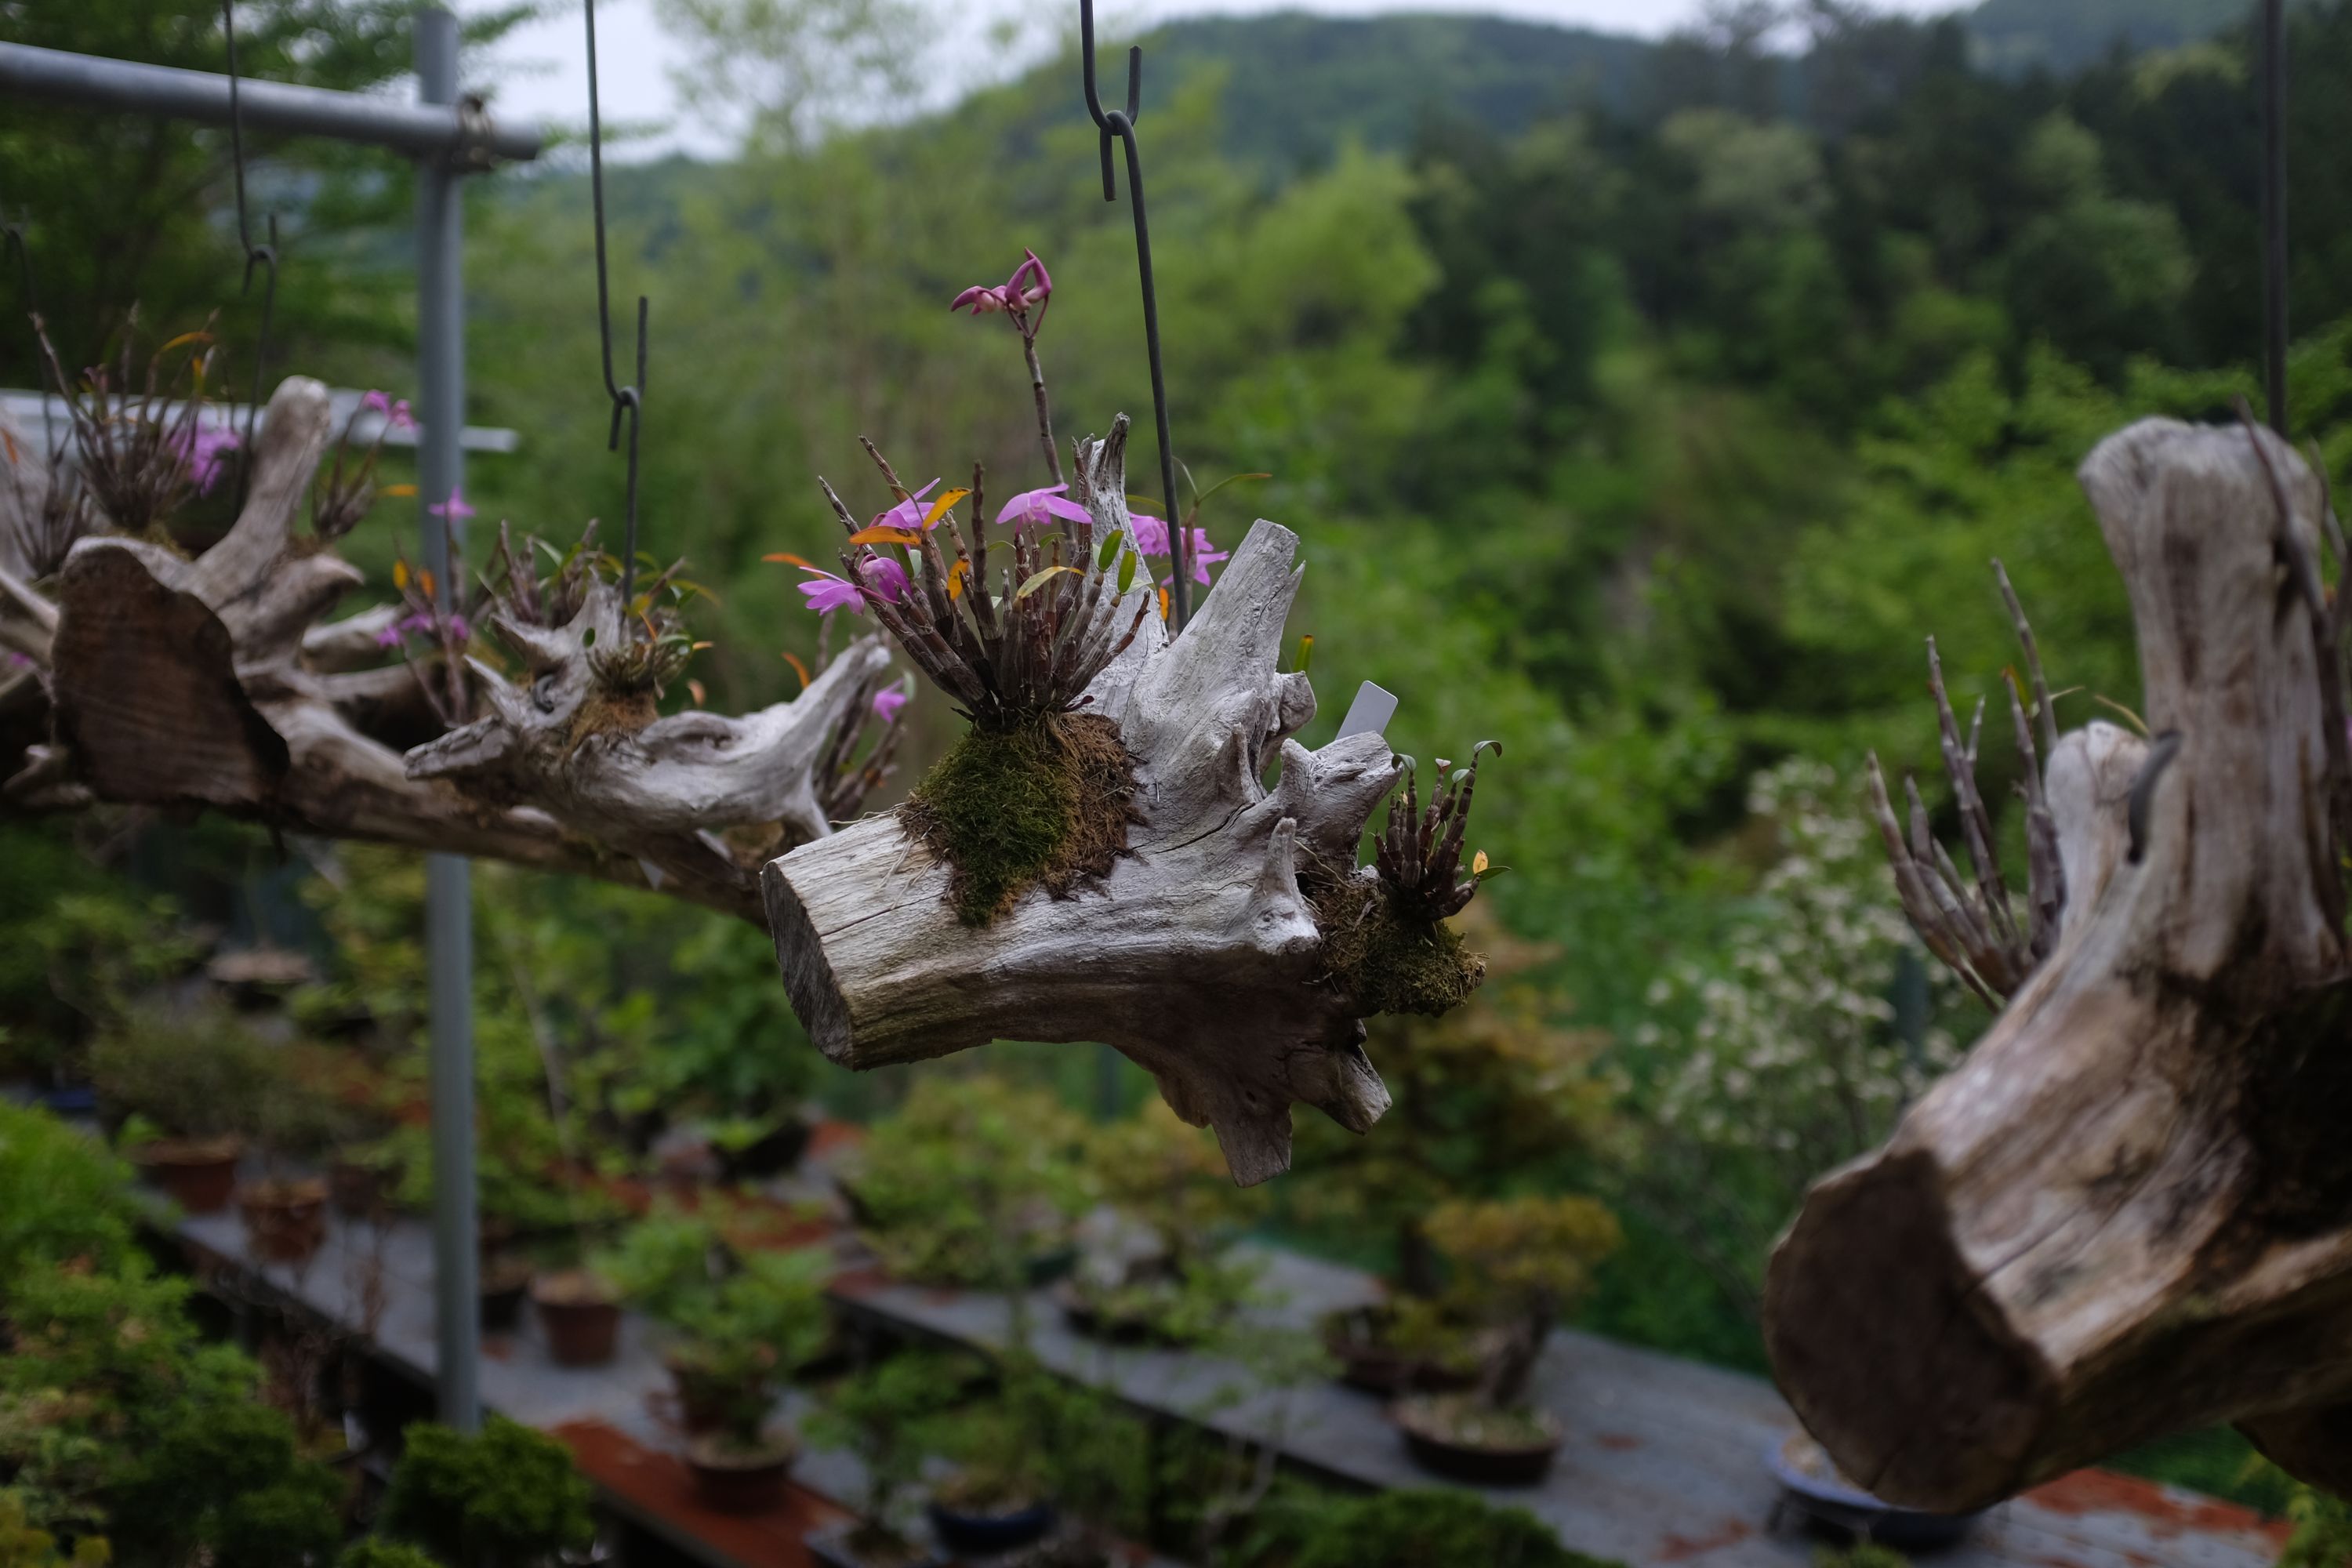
{"x": 541, "y": 72}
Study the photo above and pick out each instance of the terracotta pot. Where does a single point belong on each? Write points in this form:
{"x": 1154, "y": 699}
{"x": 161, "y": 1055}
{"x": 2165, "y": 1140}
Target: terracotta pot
{"x": 505, "y": 1282}
{"x": 200, "y": 1173}
{"x": 732, "y": 1480}
{"x": 1357, "y": 1339}
{"x": 361, "y": 1192}
{"x": 285, "y": 1221}
{"x": 581, "y": 1315}
{"x": 1434, "y": 1435}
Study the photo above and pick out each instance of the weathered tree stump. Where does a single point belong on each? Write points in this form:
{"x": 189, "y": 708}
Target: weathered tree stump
{"x": 2130, "y": 1210}
{"x": 1197, "y": 955}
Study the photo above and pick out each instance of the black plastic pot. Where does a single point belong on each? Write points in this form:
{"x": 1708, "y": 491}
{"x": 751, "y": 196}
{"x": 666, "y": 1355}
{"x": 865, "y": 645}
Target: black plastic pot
{"x": 505, "y": 1287}
{"x": 1811, "y": 1485}
{"x": 773, "y": 1154}
{"x": 985, "y": 1534}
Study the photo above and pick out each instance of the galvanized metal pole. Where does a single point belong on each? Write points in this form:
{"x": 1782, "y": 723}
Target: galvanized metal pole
{"x": 2274, "y": 273}
{"x": 448, "y": 903}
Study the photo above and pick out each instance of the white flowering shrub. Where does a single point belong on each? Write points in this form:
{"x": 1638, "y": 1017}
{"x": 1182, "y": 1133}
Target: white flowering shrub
{"x": 1777, "y": 1056}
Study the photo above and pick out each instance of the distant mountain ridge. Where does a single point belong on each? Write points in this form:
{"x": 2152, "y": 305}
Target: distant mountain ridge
{"x": 1299, "y": 83}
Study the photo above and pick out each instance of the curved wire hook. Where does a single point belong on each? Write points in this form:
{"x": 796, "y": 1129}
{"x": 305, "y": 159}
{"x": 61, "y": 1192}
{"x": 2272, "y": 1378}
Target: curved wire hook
{"x": 14, "y": 234}
{"x": 629, "y": 399}
{"x": 265, "y": 255}
{"x": 1120, "y": 123}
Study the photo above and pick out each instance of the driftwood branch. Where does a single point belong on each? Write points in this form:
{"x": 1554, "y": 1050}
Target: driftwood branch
{"x": 1197, "y": 955}
{"x": 217, "y": 682}
{"x": 2130, "y": 1210}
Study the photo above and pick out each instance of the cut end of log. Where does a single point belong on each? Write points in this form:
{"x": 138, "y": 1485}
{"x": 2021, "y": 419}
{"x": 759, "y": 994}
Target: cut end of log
{"x": 809, "y": 983}
{"x": 1947, "y": 1430}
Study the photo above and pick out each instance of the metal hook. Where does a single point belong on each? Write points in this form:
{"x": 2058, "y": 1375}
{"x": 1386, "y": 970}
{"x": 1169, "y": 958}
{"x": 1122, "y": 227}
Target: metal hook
{"x": 630, "y": 398}
{"x": 266, "y": 255}
{"x": 13, "y": 233}
{"x": 1122, "y": 124}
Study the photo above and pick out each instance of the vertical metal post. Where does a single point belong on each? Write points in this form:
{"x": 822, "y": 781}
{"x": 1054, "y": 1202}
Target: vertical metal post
{"x": 448, "y": 905}
{"x": 2274, "y": 324}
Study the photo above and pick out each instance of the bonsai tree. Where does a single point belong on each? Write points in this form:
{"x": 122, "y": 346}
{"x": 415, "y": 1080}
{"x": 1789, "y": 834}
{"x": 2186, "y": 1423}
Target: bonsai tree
{"x": 971, "y": 1182}
{"x": 884, "y": 1416}
{"x": 509, "y": 1498}
{"x": 192, "y": 1077}
{"x": 1172, "y": 1277}
{"x": 741, "y": 1321}
{"x": 1516, "y": 1264}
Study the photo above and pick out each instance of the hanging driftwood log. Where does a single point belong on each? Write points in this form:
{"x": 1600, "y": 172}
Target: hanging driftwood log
{"x": 212, "y": 682}
{"x": 2130, "y": 1210}
{"x": 581, "y": 741}
{"x": 1196, "y": 950}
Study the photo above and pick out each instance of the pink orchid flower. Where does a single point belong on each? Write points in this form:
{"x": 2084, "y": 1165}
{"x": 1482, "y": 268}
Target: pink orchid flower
{"x": 1030, "y": 284}
{"x": 908, "y": 513}
{"x": 204, "y": 453}
{"x": 1039, "y": 508}
{"x": 455, "y": 509}
{"x": 887, "y": 702}
{"x": 885, "y": 577}
{"x": 396, "y": 416}
{"x": 827, "y": 592}
{"x": 1151, "y": 539}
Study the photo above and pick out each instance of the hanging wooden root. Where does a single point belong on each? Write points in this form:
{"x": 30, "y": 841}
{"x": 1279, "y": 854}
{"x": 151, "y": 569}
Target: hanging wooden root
{"x": 2129, "y": 1211}
{"x": 211, "y": 682}
{"x": 579, "y": 735}
{"x": 1195, "y": 952}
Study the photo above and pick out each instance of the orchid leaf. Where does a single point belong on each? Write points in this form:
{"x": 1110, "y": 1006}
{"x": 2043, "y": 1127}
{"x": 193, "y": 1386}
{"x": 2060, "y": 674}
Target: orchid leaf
{"x": 1038, "y": 581}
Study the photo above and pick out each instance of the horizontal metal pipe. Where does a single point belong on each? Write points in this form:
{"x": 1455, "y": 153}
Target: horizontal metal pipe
{"x": 421, "y": 130}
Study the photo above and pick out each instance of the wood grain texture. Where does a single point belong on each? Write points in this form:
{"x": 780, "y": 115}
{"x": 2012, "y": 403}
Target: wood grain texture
{"x": 2130, "y": 1210}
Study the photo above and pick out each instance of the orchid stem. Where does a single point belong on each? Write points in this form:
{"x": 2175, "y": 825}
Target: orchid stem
{"x": 1045, "y": 412}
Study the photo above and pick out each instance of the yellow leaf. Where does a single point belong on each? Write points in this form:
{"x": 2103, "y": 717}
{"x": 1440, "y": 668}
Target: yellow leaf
{"x": 1163, "y": 604}
{"x": 881, "y": 534}
{"x": 939, "y": 506}
{"x": 400, "y": 574}
{"x": 694, "y": 689}
{"x": 400, "y": 490}
{"x": 424, "y": 581}
{"x": 798, "y": 668}
{"x": 786, "y": 558}
{"x": 956, "y": 574}
{"x": 1038, "y": 581}
{"x": 1478, "y": 862}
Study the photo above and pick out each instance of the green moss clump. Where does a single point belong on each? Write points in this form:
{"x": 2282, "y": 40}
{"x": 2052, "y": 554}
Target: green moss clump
{"x": 1388, "y": 961}
{"x": 1044, "y": 802}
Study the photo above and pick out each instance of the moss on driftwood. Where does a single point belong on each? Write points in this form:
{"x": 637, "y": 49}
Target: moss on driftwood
{"x": 1041, "y": 802}
{"x": 1388, "y": 961}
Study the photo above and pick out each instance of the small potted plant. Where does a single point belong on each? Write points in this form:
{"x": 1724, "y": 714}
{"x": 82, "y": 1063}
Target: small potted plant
{"x": 1517, "y": 1264}
{"x": 364, "y": 1175}
{"x": 883, "y": 1416}
{"x": 1495, "y": 1086}
{"x": 284, "y": 1214}
{"x": 742, "y": 1320}
{"x": 972, "y": 1181}
{"x": 187, "y": 1085}
{"x": 998, "y": 1496}
{"x": 1166, "y": 1277}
